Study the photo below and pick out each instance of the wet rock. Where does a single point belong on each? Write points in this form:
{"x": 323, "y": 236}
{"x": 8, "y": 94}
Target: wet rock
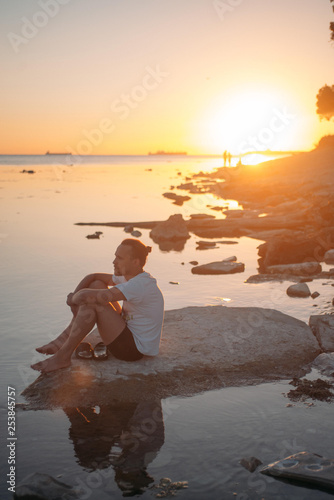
{"x": 177, "y": 199}
{"x": 95, "y": 236}
{"x": 250, "y": 463}
{"x": 322, "y": 327}
{"x": 302, "y": 269}
{"x": 128, "y": 229}
{"x": 202, "y": 348}
{"x": 24, "y": 171}
{"x": 329, "y": 257}
{"x": 191, "y": 187}
{"x": 234, "y": 213}
{"x": 201, "y": 216}
{"x": 325, "y": 363}
{"x": 228, "y": 242}
{"x": 222, "y": 267}
{"x": 172, "y": 229}
{"x": 298, "y": 290}
{"x": 167, "y": 488}
{"x": 304, "y": 467}
{"x": 233, "y": 258}
{"x": 136, "y": 233}
{"x": 45, "y": 487}
{"x": 318, "y": 390}
{"x": 205, "y": 245}
{"x": 193, "y": 262}
{"x": 314, "y": 295}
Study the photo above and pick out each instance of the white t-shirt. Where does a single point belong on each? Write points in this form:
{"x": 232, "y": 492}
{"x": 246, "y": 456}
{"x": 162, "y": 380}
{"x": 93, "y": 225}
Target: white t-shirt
{"x": 143, "y": 310}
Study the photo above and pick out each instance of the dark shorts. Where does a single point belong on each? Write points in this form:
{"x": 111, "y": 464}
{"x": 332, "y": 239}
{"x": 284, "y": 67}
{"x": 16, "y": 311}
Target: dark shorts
{"x": 124, "y": 347}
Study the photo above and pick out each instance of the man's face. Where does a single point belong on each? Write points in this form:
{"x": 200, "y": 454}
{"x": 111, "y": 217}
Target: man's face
{"x": 124, "y": 263}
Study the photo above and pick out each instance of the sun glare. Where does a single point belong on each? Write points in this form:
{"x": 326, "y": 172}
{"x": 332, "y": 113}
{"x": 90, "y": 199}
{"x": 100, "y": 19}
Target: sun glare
{"x": 244, "y": 121}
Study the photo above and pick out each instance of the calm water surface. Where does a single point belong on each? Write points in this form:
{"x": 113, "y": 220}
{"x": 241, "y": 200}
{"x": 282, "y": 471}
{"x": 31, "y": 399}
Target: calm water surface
{"x": 123, "y": 450}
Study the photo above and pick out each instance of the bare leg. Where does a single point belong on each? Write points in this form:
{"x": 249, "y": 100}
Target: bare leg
{"x": 110, "y": 324}
{"x": 53, "y": 346}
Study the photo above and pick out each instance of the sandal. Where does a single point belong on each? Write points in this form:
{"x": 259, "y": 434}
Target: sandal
{"x": 84, "y": 351}
{"x": 100, "y": 352}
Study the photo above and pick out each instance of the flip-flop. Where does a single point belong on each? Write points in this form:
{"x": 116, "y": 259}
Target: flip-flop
{"x": 100, "y": 352}
{"x": 84, "y": 351}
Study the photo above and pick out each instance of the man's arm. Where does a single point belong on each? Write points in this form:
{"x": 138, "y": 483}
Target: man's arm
{"x": 106, "y": 278}
{"x": 90, "y": 296}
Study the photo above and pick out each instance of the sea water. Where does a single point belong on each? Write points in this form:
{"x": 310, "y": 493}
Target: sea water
{"x": 200, "y": 439}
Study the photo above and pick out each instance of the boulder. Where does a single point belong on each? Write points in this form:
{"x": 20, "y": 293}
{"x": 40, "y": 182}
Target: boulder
{"x": 325, "y": 363}
{"x": 173, "y": 229}
{"x": 45, "y": 487}
{"x": 250, "y": 463}
{"x": 296, "y": 247}
{"x": 322, "y": 327}
{"x": 303, "y": 269}
{"x": 202, "y": 348}
{"x": 220, "y": 267}
{"x": 298, "y": 290}
{"x": 329, "y": 257}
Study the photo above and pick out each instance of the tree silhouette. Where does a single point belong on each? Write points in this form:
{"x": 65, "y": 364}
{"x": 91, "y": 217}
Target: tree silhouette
{"x": 325, "y": 102}
{"x": 325, "y": 96}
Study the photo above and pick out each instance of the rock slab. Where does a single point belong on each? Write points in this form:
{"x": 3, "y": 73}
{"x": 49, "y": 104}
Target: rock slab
{"x": 221, "y": 267}
{"x": 323, "y": 328}
{"x": 202, "y": 348}
{"x": 302, "y": 269}
{"x": 305, "y": 467}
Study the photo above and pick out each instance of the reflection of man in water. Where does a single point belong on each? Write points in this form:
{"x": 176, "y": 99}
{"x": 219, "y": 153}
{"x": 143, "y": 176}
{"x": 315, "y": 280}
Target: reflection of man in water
{"x": 126, "y": 436}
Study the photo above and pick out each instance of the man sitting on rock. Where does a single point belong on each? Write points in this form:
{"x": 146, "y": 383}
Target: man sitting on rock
{"x": 130, "y": 332}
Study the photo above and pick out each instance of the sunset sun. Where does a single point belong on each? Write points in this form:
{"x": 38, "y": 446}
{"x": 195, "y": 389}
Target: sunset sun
{"x": 246, "y": 120}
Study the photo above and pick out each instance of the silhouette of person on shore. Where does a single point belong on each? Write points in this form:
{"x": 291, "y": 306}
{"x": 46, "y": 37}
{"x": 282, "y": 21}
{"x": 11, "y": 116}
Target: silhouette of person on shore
{"x": 225, "y": 157}
{"x": 229, "y": 157}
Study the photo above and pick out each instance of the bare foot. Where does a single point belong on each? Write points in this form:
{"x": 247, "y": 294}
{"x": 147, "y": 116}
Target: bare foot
{"x": 53, "y": 346}
{"x": 50, "y": 348}
{"x": 52, "y": 364}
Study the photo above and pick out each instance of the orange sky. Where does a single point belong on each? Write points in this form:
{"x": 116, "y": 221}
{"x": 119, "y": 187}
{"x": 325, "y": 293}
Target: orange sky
{"x": 110, "y": 77}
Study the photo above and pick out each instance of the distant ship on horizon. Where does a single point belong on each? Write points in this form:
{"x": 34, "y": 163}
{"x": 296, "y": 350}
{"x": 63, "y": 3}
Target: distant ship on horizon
{"x": 58, "y": 154}
{"x": 183, "y": 153}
